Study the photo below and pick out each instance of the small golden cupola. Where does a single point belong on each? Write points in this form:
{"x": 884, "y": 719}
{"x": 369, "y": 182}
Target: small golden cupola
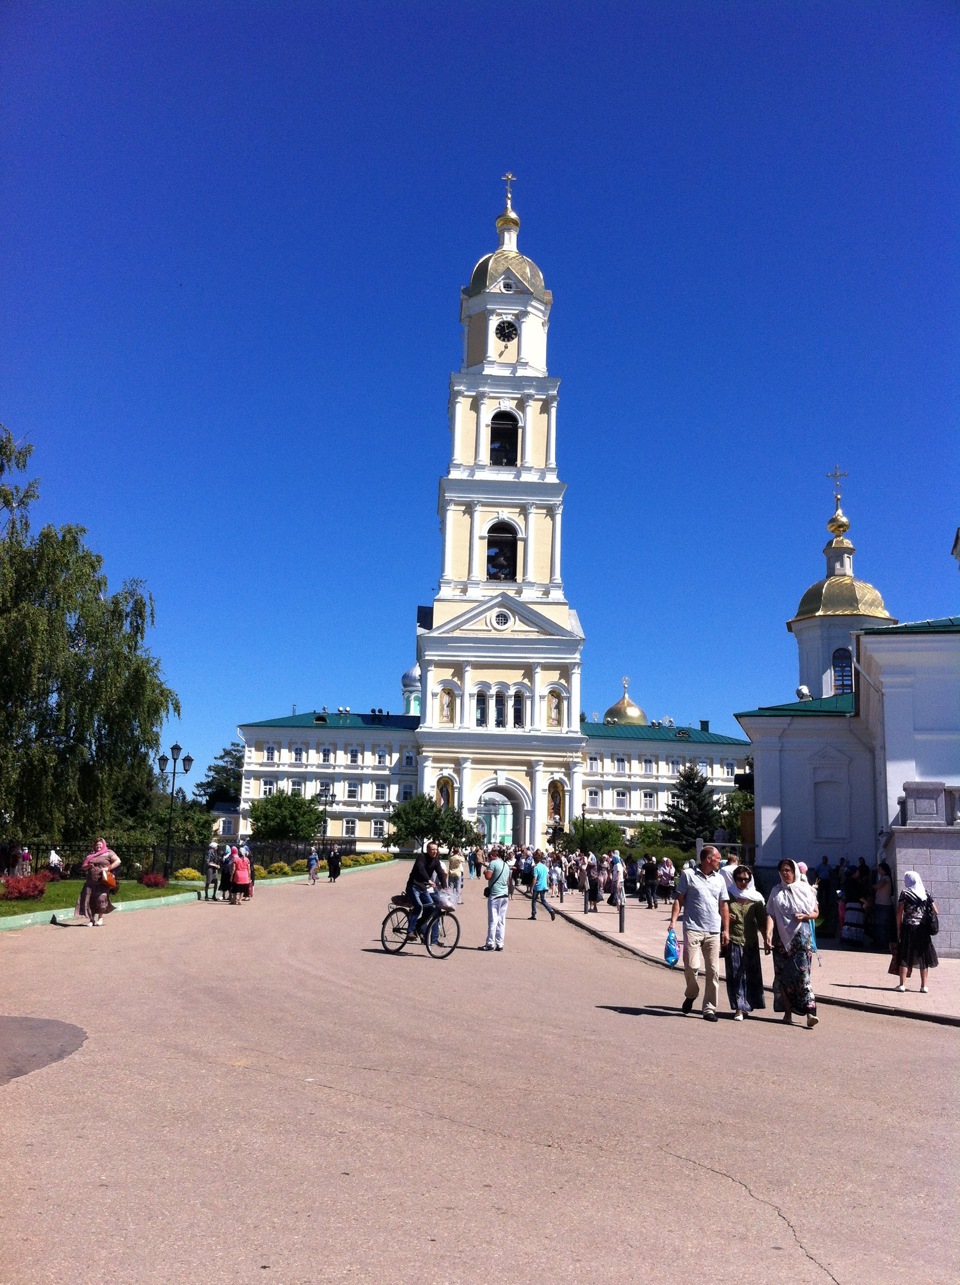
{"x": 840, "y": 593}
{"x": 507, "y": 258}
{"x": 625, "y": 711}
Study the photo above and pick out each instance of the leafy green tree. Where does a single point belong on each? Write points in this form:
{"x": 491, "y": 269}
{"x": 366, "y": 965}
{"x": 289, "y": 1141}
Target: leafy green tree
{"x": 647, "y": 835}
{"x": 224, "y": 777}
{"x": 592, "y": 836}
{"x": 695, "y": 814}
{"x": 286, "y": 816}
{"x": 457, "y": 831}
{"x": 415, "y": 821}
{"x": 82, "y": 700}
{"x": 734, "y": 804}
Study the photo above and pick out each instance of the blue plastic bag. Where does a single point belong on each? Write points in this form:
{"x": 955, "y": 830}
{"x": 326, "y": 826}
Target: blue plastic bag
{"x": 671, "y": 951}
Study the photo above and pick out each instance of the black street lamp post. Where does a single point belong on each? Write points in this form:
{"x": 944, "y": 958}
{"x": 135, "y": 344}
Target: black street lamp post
{"x": 162, "y": 762}
{"x": 325, "y": 797}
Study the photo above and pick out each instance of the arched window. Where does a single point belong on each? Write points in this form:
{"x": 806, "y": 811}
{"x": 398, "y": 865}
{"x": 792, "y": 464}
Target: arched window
{"x": 842, "y": 671}
{"x": 481, "y": 709}
{"x": 518, "y": 709}
{"x": 500, "y": 710}
{"x": 504, "y": 431}
{"x": 501, "y": 552}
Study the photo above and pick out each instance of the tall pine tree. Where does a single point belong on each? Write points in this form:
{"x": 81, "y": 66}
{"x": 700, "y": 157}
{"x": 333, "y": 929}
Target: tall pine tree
{"x": 695, "y": 814}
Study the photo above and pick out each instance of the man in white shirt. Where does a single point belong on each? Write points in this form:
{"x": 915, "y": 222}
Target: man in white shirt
{"x": 702, "y": 896}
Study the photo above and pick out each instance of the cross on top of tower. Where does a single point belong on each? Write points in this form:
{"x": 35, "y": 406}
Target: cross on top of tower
{"x": 837, "y": 475}
{"x": 509, "y": 179}
{"x": 626, "y": 684}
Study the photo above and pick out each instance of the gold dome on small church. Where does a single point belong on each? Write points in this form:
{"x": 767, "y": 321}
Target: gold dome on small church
{"x": 625, "y": 711}
{"x": 840, "y": 593}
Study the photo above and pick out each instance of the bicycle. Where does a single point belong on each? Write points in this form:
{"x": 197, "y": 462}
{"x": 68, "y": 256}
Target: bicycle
{"x": 395, "y": 930}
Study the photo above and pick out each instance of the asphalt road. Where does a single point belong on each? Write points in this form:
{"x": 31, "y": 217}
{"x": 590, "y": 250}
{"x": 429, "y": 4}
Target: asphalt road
{"x": 215, "y": 1094}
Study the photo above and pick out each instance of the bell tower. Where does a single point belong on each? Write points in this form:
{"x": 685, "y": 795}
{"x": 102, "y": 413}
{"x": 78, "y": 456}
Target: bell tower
{"x": 499, "y": 648}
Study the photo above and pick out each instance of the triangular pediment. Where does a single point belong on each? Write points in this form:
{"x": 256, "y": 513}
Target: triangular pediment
{"x": 515, "y": 285}
{"x": 481, "y": 620}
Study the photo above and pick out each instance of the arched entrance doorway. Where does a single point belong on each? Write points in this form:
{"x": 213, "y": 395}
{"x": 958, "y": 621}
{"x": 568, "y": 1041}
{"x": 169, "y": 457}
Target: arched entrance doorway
{"x": 500, "y": 817}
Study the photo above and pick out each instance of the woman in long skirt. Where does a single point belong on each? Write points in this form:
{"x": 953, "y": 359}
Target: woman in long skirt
{"x": 915, "y": 947}
{"x": 94, "y": 901}
{"x": 747, "y": 926}
{"x": 791, "y": 908}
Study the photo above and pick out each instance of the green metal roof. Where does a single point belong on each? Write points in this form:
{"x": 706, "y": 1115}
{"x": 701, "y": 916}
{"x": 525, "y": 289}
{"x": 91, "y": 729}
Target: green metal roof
{"x": 672, "y": 735}
{"x": 945, "y": 625}
{"x": 823, "y": 705}
{"x": 319, "y": 719}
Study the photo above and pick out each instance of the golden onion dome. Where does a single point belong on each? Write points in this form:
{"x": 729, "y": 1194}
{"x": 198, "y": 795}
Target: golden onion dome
{"x": 840, "y": 593}
{"x": 492, "y": 267}
{"x": 625, "y": 711}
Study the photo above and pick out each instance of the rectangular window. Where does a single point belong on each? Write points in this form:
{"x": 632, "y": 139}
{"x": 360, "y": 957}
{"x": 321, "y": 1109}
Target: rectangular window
{"x": 621, "y": 765}
{"x": 481, "y": 709}
{"x": 298, "y": 755}
{"x": 648, "y": 800}
{"x": 620, "y": 797}
{"x": 271, "y": 754}
{"x": 703, "y": 767}
{"x": 648, "y": 767}
{"x": 266, "y": 789}
{"x": 380, "y": 791}
{"x": 406, "y": 793}
{"x": 518, "y": 709}
{"x": 675, "y": 766}
{"x": 408, "y": 760}
{"x": 354, "y": 757}
{"x": 324, "y": 756}
{"x": 593, "y": 763}
{"x": 593, "y": 798}
{"x": 379, "y": 829}
{"x": 350, "y": 828}
{"x": 296, "y": 787}
{"x": 227, "y": 827}
{"x": 729, "y": 769}
{"x": 353, "y": 790}
{"x": 381, "y": 758}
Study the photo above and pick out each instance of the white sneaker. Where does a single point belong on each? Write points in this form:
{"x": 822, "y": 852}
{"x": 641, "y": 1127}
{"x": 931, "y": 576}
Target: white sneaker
{"x": 738, "y": 1016}
{"x": 924, "y": 991}
{"x": 901, "y": 987}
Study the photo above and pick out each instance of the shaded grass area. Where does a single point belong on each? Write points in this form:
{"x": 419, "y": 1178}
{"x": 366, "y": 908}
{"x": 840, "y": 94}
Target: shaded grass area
{"x": 63, "y": 896}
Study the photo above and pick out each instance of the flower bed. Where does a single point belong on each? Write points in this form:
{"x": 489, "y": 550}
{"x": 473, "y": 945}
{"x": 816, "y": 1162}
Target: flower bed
{"x": 23, "y": 887}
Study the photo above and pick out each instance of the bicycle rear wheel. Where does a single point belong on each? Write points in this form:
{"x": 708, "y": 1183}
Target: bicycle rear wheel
{"x": 448, "y": 934}
{"x": 393, "y": 931}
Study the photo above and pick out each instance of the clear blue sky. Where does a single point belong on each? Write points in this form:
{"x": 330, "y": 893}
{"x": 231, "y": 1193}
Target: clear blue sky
{"x": 234, "y": 236}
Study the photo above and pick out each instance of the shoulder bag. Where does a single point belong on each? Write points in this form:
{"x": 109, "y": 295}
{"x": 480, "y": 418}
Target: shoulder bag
{"x": 933, "y": 919}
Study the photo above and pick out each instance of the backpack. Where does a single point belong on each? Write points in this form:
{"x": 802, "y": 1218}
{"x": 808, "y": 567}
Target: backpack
{"x": 932, "y": 918}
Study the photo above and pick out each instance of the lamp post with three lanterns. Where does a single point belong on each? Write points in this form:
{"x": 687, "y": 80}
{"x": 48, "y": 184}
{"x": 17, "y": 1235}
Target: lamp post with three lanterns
{"x": 162, "y": 763}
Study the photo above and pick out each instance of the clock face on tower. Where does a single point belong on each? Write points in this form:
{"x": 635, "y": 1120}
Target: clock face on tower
{"x": 506, "y": 332}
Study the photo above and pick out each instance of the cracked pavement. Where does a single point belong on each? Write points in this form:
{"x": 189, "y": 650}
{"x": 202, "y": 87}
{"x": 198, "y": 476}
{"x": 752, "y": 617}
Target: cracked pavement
{"x": 261, "y": 1093}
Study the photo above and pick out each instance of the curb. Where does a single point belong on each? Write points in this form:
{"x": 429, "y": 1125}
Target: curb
{"x": 885, "y": 1010}
{"x": 64, "y": 914}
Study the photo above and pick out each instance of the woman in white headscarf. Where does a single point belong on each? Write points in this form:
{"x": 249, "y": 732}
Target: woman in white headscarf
{"x": 914, "y": 944}
{"x": 791, "y": 909}
{"x": 747, "y": 926}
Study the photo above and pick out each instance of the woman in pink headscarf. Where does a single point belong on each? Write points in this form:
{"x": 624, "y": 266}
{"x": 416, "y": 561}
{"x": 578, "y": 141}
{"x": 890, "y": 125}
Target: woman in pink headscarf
{"x": 94, "y": 900}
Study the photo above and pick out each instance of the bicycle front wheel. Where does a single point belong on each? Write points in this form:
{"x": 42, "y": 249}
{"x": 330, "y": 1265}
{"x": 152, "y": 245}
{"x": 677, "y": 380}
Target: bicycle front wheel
{"x": 393, "y": 931}
{"x": 448, "y": 934}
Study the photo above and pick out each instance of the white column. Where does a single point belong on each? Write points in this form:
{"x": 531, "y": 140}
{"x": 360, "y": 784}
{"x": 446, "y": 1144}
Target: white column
{"x": 491, "y": 326}
{"x": 552, "y": 433}
{"x": 457, "y": 427}
{"x": 539, "y": 803}
{"x": 575, "y": 799}
{"x": 522, "y": 323}
{"x": 427, "y": 697}
{"x": 474, "y": 572}
{"x": 481, "y": 456}
{"x": 530, "y": 512}
{"x": 466, "y": 765}
{"x": 555, "y": 546}
{"x": 465, "y": 698}
{"x": 424, "y": 772}
{"x": 573, "y": 720}
{"x": 526, "y": 458}
{"x": 447, "y": 542}
{"x": 536, "y": 719}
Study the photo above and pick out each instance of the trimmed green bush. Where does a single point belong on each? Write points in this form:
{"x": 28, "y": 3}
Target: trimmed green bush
{"x": 278, "y": 870}
{"x": 259, "y": 872}
{"x": 300, "y": 867}
{"x": 189, "y": 875}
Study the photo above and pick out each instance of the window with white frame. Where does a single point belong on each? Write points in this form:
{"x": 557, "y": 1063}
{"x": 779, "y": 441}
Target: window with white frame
{"x": 266, "y": 789}
{"x": 500, "y": 710}
{"x": 353, "y": 790}
{"x": 296, "y": 787}
{"x": 648, "y": 767}
{"x": 270, "y": 754}
{"x": 226, "y": 826}
{"x": 408, "y": 760}
{"x": 675, "y": 766}
{"x": 703, "y": 767}
{"x": 406, "y": 793}
{"x": 593, "y": 798}
{"x": 354, "y": 757}
{"x": 324, "y": 756}
{"x": 593, "y": 763}
{"x": 380, "y": 791}
{"x": 518, "y": 709}
{"x": 620, "y": 798}
{"x": 649, "y": 800}
{"x": 620, "y": 763}
{"x": 674, "y": 798}
{"x": 350, "y": 828}
{"x": 297, "y": 754}
{"x": 481, "y": 709}
{"x": 379, "y": 829}
{"x": 381, "y": 758}
{"x": 729, "y": 769}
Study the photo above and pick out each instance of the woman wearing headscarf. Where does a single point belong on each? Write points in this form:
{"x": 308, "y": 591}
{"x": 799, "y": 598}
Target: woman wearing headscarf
{"x": 94, "y": 901}
{"x": 914, "y": 944}
{"x": 791, "y": 908}
{"x": 239, "y": 877}
{"x": 748, "y": 923}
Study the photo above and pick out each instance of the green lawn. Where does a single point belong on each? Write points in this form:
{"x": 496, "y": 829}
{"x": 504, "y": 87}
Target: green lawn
{"x": 63, "y": 895}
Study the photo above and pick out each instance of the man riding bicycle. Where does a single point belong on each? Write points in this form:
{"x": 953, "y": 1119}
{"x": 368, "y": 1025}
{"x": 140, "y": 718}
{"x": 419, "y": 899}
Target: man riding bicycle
{"x": 426, "y": 871}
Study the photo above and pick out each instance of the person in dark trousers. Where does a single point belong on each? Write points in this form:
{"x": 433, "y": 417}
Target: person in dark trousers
{"x": 427, "y": 871}
{"x": 650, "y": 881}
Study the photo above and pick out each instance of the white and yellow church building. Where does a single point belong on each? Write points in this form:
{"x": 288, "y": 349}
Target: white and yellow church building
{"x": 492, "y": 708}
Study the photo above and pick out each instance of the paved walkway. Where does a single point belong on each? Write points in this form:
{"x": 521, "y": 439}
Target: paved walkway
{"x": 855, "y": 978}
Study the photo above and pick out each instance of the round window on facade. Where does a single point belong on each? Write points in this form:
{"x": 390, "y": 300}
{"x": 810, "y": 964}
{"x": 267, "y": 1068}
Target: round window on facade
{"x": 501, "y": 620}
